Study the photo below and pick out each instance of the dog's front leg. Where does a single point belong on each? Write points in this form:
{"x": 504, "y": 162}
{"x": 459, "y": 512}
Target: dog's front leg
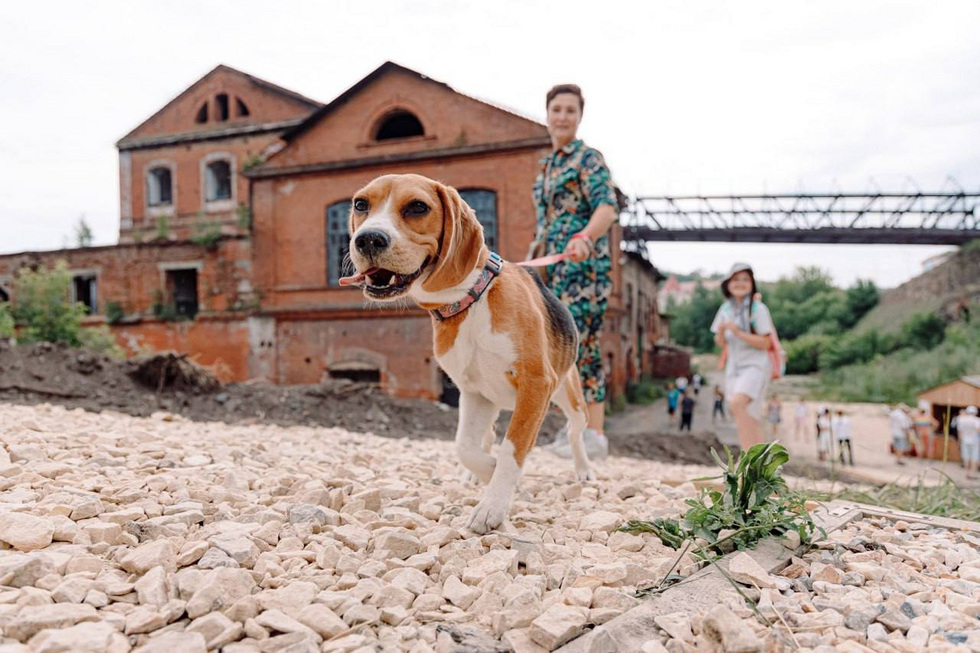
{"x": 532, "y": 404}
{"x": 476, "y": 417}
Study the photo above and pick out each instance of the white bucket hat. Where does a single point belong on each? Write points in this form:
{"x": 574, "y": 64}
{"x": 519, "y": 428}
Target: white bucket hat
{"x": 971, "y": 410}
{"x": 738, "y": 267}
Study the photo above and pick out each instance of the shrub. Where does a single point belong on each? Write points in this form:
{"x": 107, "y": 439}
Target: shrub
{"x": 244, "y": 216}
{"x": 803, "y": 354}
{"x": 645, "y": 391}
{"x": 100, "y": 339}
{"x": 114, "y": 312}
{"x": 923, "y": 331}
{"x": 44, "y": 309}
{"x": 206, "y": 233}
{"x": 163, "y": 227}
{"x": 850, "y": 349}
{"x": 6, "y": 321}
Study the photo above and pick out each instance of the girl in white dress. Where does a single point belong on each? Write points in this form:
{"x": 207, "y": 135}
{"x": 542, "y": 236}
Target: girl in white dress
{"x": 743, "y": 325}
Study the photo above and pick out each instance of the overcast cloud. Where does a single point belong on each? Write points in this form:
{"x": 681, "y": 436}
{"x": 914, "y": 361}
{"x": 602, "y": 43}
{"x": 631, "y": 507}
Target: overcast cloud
{"x": 682, "y": 97}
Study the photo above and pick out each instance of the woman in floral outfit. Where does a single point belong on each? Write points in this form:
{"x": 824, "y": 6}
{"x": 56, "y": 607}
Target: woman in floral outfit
{"x": 576, "y": 206}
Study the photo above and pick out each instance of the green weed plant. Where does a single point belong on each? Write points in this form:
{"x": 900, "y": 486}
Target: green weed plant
{"x": 753, "y": 503}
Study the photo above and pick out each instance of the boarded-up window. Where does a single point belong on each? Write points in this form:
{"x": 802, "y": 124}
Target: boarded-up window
{"x": 484, "y": 203}
{"x": 217, "y": 182}
{"x": 338, "y": 242}
{"x": 400, "y": 124}
{"x": 159, "y": 187}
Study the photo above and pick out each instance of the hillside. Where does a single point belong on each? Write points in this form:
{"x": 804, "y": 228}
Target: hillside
{"x": 940, "y": 290}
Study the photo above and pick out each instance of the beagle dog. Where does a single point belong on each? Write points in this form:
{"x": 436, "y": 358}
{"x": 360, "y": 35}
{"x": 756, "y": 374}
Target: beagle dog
{"x": 499, "y": 333}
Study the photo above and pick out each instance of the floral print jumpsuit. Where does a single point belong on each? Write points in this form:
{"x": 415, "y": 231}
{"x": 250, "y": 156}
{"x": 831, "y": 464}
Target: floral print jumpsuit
{"x": 574, "y": 181}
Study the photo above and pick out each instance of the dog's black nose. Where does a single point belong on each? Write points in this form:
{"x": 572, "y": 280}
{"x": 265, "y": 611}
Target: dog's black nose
{"x": 371, "y": 242}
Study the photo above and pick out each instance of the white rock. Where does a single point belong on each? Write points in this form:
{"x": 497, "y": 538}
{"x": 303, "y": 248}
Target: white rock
{"x": 601, "y": 520}
{"x": 743, "y": 569}
{"x": 557, "y": 625}
{"x": 88, "y": 637}
{"x": 25, "y": 532}
{"x": 322, "y": 619}
{"x": 157, "y": 553}
{"x": 33, "y": 619}
{"x": 458, "y": 593}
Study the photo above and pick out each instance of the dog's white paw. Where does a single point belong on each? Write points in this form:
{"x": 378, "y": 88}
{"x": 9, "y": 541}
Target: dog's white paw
{"x": 467, "y": 477}
{"x": 585, "y": 474}
{"x": 487, "y": 516}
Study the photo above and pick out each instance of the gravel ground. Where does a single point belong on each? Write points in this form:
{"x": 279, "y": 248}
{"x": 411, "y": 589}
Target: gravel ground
{"x": 161, "y": 534}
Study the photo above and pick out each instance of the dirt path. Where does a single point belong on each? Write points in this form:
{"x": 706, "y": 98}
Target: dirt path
{"x": 74, "y": 378}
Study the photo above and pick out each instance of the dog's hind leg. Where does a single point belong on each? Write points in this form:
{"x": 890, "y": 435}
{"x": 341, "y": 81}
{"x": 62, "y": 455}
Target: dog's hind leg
{"x": 570, "y": 399}
{"x": 477, "y": 415}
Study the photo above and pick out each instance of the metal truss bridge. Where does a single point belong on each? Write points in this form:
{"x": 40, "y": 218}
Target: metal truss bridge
{"x": 946, "y": 218}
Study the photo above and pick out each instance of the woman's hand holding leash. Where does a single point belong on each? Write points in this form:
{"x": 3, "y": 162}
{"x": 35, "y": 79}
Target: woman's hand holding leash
{"x": 580, "y": 247}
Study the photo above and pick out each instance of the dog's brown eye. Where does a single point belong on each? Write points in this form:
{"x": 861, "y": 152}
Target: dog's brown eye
{"x": 416, "y": 209}
{"x": 361, "y": 206}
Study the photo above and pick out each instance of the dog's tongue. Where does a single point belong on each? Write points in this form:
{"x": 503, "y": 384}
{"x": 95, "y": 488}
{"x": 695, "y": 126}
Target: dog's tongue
{"x": 356, "y": 279}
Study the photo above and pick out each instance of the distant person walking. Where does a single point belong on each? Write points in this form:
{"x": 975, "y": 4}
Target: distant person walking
{"x": 696, "y": 384}
{"x": 719, "y": 407}
{"x": 682, "y": 383}
{"x": 841, "y": 425}
{"x": 800, "y": 418}
{"x": 775, "y": 416}
{"x": 824, "y": 441}
{"x": 969, "y": 433}
{"x": 673, "y": 398}
{"x": 742, "y": 325}
{"x": 925, "y": 428}
{"x": 899, "y": 423}
{"x": 687, "y": 410}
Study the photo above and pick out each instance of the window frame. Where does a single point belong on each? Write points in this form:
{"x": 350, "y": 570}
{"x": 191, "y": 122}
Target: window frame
{"x": 156, "y": 210}
{"x": 494, "y": 245}
{"x": 224, "y": 204}
{"x": 93, "y": 274}
{"x": 335, "y": 267}
{"x": 168, "y": 268}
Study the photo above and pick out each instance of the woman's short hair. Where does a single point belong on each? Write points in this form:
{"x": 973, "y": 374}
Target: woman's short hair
{"x": 566, "y": 88}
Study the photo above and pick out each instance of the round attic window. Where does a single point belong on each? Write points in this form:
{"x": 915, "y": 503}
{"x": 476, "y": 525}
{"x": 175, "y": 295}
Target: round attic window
{"x": 400, "y": 124}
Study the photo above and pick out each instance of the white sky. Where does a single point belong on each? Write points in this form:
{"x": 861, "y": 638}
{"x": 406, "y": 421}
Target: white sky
{"x": 682, "y": 97}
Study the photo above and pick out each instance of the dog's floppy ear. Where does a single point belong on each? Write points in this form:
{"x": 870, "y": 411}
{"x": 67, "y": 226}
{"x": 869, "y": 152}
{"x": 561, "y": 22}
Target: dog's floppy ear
{"x": 460, "y": 245}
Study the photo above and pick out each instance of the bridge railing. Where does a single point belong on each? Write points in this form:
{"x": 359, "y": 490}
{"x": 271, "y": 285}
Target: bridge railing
{"x": 933, "y": 218}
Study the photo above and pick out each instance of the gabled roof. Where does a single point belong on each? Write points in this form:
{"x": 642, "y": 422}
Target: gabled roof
{"x": 222, "y": 68}
{"x": 386, "y": 67}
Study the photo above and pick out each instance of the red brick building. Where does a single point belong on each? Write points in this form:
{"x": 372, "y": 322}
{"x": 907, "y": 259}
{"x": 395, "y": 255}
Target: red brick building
{"x": 233, "y": 206}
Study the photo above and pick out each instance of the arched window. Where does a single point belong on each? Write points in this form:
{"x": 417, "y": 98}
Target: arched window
{"x": 4, "y": 295}
{"x": 222, "y": 103}
{"x": 400, "y": 124}
{"x": 159, "y": 187}
{"x": 484, "y": 203}
{"x": 202, "y": 114}
{"x": 241, "y": 109}
{"x": 217, "y": 180}
{"x": 338, "y": 243}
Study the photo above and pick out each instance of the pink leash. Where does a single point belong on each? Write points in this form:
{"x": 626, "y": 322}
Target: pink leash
{"x": 544, "y": 260}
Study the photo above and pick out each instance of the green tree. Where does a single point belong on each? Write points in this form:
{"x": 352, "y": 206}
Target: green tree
{"x": 922, "y": 332}
{"x": 691, "y": 323}
{"x": 861, "y": 298}
{"x": 6, "y": 321}
{"x": 42, "y": 305}
{"x": 83, "y": 233}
